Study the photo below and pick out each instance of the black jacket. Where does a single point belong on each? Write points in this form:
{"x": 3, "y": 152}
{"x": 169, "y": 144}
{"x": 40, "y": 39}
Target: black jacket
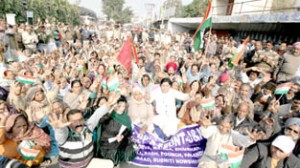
{"x": 259, "y": 156}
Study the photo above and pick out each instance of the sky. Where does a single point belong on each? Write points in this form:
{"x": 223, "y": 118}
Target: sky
{"x": 138, "y": 6}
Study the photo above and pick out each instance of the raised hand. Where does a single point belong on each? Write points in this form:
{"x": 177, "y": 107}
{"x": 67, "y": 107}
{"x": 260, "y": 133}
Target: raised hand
{"x": 38, "y": 115}
{"x": 205, "y": 122}
{"x": 113, "y": 100}
{"x": 57, "y": 122}
{"x": 183, "y": 70}
{"x": 255, "y": 135}
{"x": 120, "y": 138}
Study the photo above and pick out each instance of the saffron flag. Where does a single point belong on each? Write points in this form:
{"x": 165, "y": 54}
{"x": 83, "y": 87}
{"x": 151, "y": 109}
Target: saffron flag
{"x": 237, "y": 56}
{"x": 127, "y": 52}
{"x": 208, "y": 104}
{"x": 26, "y": 79}
{"x": 283, "y": 88}
{"x": 206, "y": 22}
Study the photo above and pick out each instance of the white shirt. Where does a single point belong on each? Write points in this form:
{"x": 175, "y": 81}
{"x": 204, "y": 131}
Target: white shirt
{"x": 165, "y": 102}
{"x": 238, "y": 121}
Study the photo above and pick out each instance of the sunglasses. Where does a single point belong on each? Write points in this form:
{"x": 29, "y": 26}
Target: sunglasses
{"x": 292, "y": 130}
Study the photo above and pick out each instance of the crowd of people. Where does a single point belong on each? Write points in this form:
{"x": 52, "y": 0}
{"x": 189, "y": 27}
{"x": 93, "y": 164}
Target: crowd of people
{"x": 65, "y": 100}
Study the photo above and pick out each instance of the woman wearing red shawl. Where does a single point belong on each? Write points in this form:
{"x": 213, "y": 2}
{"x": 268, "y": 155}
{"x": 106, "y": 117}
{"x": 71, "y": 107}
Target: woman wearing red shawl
{"x": 19, "y": 130}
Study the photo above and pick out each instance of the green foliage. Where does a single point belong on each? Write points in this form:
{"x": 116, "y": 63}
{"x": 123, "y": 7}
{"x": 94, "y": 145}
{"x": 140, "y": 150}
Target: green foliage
{"x": 114, "y": 9}
{"x": 11, "y": 6}
{"x": 59, "y": 10}
{"x": 195, "y": 9}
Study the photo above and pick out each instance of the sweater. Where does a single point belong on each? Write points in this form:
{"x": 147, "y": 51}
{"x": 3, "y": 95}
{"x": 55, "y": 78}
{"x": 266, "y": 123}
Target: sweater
{"x": 76, "y": 149}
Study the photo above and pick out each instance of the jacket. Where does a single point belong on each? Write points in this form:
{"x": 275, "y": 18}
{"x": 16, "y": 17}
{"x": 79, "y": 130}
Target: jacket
{"x": 259, "y": 156}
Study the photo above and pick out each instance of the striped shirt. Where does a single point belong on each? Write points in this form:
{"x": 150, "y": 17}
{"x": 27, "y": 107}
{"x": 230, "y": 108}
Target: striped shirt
{"x": 77, "y": 151}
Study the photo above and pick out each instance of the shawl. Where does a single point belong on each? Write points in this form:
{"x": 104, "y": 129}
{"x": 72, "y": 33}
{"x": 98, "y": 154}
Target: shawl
{"x": 33, "y": 133}
{"x": 122, "y": 119}
{"x": 140, "y": 110}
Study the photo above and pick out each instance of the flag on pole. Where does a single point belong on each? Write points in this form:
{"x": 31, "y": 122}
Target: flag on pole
{"x": 205, "y": 23}
{"x": 127, "y": 52}
{"x": 26, "y": 79}
{"x": 283, "y": 88}
{"x": 237, "y": 56}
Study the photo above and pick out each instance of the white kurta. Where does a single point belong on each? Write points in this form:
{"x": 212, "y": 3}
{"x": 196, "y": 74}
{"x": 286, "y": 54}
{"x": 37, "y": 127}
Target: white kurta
{"x": 166, "y": 109}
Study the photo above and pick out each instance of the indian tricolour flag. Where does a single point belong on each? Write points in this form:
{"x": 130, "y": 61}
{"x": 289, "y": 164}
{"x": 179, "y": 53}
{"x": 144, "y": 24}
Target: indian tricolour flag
{"x": 113, "y": 83}
{"x": 283, "y": 88}
{"x": 26, "y": 79}
{"x": 208, "y": 104}
{"x": 233, "y": 154}
{"x": 29, "y": 154}
{"x": 205, "y": 23}
{"x": 238, "y": 55}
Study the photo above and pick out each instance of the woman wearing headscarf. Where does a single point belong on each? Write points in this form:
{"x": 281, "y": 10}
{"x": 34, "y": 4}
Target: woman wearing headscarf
{"x": 38, "y": 99}
{"x": 27, "y": 136}
{"x": 115, "y": 141}
{"x": 140, "y": 111}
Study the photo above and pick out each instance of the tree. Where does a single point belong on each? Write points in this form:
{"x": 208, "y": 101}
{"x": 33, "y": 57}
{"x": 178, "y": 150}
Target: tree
{"x": 61, "y": 10}
{"x": 195, "y": 9}
{"x": 114, "y": 9}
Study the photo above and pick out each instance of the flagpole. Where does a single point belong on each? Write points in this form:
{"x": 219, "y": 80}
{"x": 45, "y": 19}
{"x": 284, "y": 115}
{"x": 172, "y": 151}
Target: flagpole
{"x": 208, "y": 41}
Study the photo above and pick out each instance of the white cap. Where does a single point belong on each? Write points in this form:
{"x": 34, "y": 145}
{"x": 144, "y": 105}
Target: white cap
{"x": 284, "y": 143}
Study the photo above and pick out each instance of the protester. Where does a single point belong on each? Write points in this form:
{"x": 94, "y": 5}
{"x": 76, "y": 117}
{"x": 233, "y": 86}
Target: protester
{"x": 26, "y": 135}
{"x": 115, "y": 143}
{"x": 278, "y": 154}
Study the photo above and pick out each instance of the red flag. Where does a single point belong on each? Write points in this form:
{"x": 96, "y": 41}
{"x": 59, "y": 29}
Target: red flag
{"x": 126, "y": 54}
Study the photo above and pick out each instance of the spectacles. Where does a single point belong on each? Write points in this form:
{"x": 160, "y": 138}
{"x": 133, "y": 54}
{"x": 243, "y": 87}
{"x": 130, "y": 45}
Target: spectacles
{"x": 292, "y": 130}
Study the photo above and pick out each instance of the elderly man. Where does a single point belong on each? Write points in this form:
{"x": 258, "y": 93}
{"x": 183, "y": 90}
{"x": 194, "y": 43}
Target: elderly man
{"x": 278, "y": 154}
{"x": 242, "y": 121}
{"x": 290, "y": 64}
{"x": 242, "y": 96}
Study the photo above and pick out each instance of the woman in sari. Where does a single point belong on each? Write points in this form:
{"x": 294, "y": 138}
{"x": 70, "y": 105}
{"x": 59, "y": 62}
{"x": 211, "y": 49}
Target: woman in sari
{"x": 115, "y": 141}
{"x": 39, "y": 99}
